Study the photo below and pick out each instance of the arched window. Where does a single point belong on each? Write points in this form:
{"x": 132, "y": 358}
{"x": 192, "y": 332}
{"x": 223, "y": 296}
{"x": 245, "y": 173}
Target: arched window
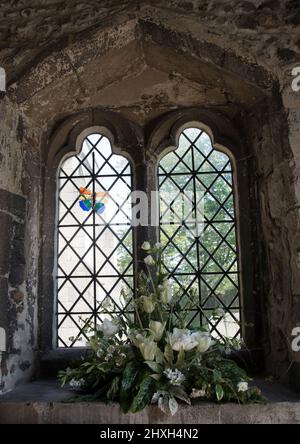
{"x": 206, "y": 242}
{"x": 94, "y": 238}
{"x": 198, "y": 232}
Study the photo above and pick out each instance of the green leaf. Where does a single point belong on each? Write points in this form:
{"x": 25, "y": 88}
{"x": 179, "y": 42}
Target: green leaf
{"x": 180, "y": 358}
{"x": 179, "y": 393}
{"x": 129, "y": 377}
{"x": 219, "y": 392}
{"x": 154, "y": 366}
{"x": 114, "y": 388}
{"x": 144, "y": 395}
{"x": 156, "y": 376}
{"x": 163, "y": 403}
{"x": 173, "y": 405}
{"x": 169, "y": 355}
{"x": 160, "y": 358}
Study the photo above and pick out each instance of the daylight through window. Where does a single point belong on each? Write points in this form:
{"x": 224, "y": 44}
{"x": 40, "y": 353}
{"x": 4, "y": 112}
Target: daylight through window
{"x": 200, "y": 243}
{"x": 94, "y": 238}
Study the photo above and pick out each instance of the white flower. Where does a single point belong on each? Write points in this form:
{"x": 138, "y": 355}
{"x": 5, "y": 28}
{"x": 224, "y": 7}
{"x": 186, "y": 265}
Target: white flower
{"x": 146, "y": 246}
{"x": 204, "y": 341}
{"x": 196, "y": 393}
{"x": 77, "y": 383}
{"x": 156, "y": 329}
{"x": 158, "y": 245}
{"x": 149, "y": 260}
{"x": 148, "y": 304}
{"x": 108, "y": 328}
{"x": 242, "y": 386}
{"x": 175, "y": 376}
{"x": 183, "y": 339}
{"x": 148, "y": 349}
{"x": 165, "y": 291}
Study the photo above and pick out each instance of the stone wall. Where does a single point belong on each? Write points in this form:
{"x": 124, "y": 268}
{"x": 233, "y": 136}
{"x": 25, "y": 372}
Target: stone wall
{"x": 143, "y": 61}
{"x": 19, "y": 195}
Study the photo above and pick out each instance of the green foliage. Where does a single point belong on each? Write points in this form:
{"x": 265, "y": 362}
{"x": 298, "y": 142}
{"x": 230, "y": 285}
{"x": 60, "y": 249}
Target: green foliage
{"x": 151, "y": 360}
{"x": 144, "y": 395}
{"x": 129, "y": 377}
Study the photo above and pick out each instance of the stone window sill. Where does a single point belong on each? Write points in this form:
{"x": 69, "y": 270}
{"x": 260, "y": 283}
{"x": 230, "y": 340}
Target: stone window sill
{"x": 44, "y": 402}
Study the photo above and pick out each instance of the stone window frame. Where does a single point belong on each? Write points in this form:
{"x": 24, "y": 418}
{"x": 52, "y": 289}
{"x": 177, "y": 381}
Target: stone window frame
{"x": 144, "y": 147}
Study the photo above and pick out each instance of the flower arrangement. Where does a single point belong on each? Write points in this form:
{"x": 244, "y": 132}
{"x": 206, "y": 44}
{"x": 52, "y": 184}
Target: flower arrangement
{"x": 150, "y": 357}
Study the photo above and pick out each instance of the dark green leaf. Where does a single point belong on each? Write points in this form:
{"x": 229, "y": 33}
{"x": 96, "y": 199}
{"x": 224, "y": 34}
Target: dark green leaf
{"x": 129, "y": 377}
{"x": 114, "y": 388}
{"x": 144, "y": 395}
{"x": 169, "y": 355}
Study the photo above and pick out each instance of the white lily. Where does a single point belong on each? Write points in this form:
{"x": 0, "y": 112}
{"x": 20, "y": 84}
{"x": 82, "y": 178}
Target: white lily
{"x": 148, "y": 349}
{"x": 156, "y": 329}
{"x": 148, "y": 304}
{"x": 183, "y": 339}
{"x": 204, "y": 341}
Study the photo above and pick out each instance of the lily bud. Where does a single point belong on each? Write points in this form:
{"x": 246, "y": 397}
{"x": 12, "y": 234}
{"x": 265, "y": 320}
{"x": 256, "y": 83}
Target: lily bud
{"x": 146, "y": 246}
{"x": 156, "y": 329}
{"x": 149, "y": 260}
{"x": 148, "y": 304}
{"x": 148, "y": 349}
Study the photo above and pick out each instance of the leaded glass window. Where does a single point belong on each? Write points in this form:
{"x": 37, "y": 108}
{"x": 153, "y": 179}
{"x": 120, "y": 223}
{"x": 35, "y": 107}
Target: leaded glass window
{"x": 94, "y": 238}
{"x": 200, "y": 243}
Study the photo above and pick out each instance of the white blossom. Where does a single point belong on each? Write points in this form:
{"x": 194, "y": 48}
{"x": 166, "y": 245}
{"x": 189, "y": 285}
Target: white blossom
{"x": 175, "y": 376}
{"x": 148, "y": 304}
{"x": 242, "y": 386}
{"x": 204, "y": 341}
{"x": 156, "y": 329}
{"x": 77, "y": 383}
{"x": 108, "y": 328}
{"x": 187, "y": 340}
{"x": 149, "y": 260}
{"x": 146, "y": 246}
{"x": 148, "y": 349}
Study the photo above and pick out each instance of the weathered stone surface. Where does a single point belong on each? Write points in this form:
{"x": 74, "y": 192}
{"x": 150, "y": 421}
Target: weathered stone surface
{"x": 142, "y": 61}
{"x": 84, "y": 413}
{"x": 13, "y": 204}
{"x": 17, "y": 296}
{"x": 17, "y": 255}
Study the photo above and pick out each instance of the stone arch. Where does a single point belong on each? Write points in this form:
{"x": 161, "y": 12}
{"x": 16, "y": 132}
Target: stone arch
{"x": 141, "y": 69}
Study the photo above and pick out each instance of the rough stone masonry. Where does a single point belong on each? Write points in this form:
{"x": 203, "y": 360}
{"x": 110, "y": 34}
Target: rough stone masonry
{"x": 143, "y": 60}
